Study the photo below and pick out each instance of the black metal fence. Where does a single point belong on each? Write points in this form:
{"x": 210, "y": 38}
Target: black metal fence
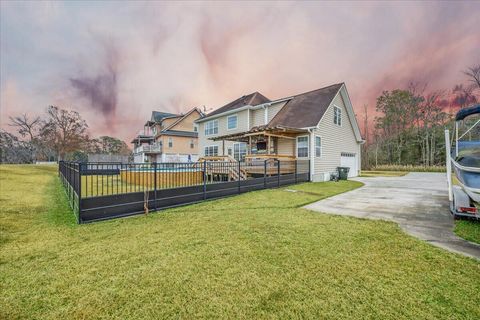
{"x": 98, "y": 191}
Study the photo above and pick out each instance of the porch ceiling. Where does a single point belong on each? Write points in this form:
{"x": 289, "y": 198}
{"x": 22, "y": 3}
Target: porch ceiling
{"x": 279, "y": 131}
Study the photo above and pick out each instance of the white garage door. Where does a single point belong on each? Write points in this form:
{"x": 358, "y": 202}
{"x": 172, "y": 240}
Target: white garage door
{"x": 348, "y": 159}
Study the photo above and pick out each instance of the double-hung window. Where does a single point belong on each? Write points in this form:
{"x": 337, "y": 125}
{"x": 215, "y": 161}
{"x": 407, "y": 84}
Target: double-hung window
{"x": 240, "y": 151}
{"x": 318, "y": 146}
{"x": 337, "y": 116}
{"x": 302, "y": 147}
{"x": 211, "y": 127}
{"x": 170, "y": 142}
{"x": 211, "y": 151}
{"x": 192, "y": 144}
{"x": 232, "y": 122}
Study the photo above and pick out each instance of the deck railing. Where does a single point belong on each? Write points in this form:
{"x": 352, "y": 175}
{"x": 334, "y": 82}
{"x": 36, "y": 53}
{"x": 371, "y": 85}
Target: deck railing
{"x": 94, "y": 190}
{"x": 149, "y": 148}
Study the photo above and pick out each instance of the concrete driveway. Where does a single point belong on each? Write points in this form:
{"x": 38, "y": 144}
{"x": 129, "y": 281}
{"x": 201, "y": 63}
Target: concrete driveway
{"x": 418, "y": 202}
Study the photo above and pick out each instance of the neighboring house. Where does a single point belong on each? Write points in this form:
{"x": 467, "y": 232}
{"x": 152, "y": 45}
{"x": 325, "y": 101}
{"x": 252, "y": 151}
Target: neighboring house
{"x": 319, "y": 126}
{"x": 168, "y": 137}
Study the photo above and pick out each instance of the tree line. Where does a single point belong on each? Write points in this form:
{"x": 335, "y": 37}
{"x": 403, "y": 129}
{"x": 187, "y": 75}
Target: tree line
{"x": 59, "y": 135}
{"x": 410, "y": 123}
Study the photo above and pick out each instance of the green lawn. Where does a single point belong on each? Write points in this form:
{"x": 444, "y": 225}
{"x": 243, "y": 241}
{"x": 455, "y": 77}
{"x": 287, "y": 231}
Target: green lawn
{"x": 376, "y": 173}
{"x": 257, "y": 255}
{"x": 468, "y": 229}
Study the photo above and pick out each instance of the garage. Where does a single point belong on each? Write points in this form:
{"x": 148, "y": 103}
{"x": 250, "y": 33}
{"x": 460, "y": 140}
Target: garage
{"x": 348, "y": 159}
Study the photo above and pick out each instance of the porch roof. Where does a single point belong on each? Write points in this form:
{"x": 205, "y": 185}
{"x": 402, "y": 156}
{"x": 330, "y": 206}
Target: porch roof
{"x": 277, "y": 131}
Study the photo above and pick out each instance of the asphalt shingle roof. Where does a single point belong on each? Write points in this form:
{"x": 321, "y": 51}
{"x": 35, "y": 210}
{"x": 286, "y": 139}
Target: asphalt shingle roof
{"x": 305, "y": 109}
{"x": 251, "y": 99}
{"x": 180, "y": 133}
{"x": 157, "y": 116}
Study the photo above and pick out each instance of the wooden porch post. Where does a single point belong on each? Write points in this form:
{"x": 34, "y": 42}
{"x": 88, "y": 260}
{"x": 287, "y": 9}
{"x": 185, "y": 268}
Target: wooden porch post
{"x": 268, "y": 144}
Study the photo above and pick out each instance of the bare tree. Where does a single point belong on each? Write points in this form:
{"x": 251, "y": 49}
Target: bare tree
{"x": 463, "y": 96}
{"x": 64, "y": 131}
{"x": 30, "y": 128}
{"x": 474, "y": 75}
{"x": 366, "y": 144}
{"x": 26, "y": 126}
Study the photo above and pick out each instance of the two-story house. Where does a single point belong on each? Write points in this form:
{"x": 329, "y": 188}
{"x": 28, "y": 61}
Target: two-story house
{"x": 318, "y": 126}
{"x": 168, "y": 137}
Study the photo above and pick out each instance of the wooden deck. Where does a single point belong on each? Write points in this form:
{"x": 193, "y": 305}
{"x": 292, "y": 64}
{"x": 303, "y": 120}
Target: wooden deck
{"x": 253, "y": 165}
{"x": 270, "y": 170}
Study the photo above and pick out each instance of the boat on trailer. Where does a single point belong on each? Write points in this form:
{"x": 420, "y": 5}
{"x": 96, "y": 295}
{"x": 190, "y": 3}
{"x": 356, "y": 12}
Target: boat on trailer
{"x": 464, "y": 158}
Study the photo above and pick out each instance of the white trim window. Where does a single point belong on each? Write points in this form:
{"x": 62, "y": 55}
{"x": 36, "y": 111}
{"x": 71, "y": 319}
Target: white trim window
{"x": 337, "y": 116}
{"x": 211, "y": 127}
{"x": 318, "y": 146}
{"x": 195, "y": 127}
{"x": 232, "y": 122}
{"x": 211, "y": 151}
{"x": 192, "y": 144}
{"x": 170, "y": 142}
{"x": 239, "y": 151}
{"x": 302, "y": 147}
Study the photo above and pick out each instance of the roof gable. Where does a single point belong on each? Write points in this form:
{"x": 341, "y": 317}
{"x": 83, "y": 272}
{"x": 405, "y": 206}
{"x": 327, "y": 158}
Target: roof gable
{"x": 185, "y": 116}
{"x": 306, "y": 109}
{"x": 251, "y": 99}
{"x": 158, "y": 116}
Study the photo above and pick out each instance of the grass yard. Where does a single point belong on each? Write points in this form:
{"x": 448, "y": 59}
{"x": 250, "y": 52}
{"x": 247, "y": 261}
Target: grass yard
{"x": 468, "y": 230}
{"x": 368, "y": 173}
{"x": 256, "y": 255}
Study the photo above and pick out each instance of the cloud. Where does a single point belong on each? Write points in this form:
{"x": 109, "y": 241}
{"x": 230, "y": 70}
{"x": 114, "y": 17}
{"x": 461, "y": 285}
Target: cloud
{"x": 115, "y": 64}
{"x": 100, "y": 90}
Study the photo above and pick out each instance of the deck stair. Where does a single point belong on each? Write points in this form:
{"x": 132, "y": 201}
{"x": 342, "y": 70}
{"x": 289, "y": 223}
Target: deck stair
{"x": 224, "y": 165}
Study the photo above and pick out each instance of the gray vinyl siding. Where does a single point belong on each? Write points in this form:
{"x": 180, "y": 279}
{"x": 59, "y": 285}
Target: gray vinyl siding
{"x": 335, "y": 139}
{"x": 286, "y": 146}
{"x": 274, "y": 109}
{"x": 257, "y": 117}
{"x": 242, "y": 126}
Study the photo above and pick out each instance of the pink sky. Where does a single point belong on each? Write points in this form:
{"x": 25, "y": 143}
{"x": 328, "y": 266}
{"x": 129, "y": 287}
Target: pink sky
{"x": 116, "y": 62}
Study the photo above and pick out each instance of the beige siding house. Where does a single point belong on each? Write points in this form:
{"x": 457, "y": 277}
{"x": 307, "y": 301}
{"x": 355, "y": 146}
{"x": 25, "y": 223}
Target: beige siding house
{"x": 168, "y": 137}
{"x": 318, "y": 126}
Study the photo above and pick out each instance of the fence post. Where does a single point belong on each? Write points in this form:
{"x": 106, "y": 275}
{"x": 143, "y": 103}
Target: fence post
{"x": 265, "y": 173}
{"x": 204, "y": 179}
{"x": 295, "y": 170}
{"x": 70, "y": 183}
{"x": 155, "y": 185}
{"x": 79, "y": 192}
{"x": 239, "y": 177}
{"x": 278, "y": 173}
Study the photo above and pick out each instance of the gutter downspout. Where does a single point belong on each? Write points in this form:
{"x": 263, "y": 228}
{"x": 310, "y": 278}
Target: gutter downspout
{"x": 312, "y": 152}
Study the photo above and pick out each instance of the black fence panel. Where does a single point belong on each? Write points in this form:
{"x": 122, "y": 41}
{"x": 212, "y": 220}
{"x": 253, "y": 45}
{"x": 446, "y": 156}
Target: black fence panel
{"x": 98, "y": 191}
